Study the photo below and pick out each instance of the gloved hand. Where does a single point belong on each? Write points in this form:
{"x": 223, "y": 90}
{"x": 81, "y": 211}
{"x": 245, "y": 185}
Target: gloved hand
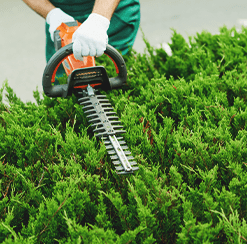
{"x": 55, "y": 18}
{"x": 91, "y": 37}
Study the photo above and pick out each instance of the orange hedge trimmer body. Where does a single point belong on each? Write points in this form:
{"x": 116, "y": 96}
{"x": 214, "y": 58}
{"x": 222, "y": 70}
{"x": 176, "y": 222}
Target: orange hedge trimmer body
{"x": 63, "y": 37}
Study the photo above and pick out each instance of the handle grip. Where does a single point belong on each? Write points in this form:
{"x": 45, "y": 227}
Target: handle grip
{"x": 62, "y": 53}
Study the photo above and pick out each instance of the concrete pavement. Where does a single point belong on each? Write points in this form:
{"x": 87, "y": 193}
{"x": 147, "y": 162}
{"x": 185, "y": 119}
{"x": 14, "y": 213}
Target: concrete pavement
{"x": 22, "y": 42}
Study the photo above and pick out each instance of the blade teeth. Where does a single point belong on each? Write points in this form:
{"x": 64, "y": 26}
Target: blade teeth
{"x": 110, "y": 113}
{"x": 105, "y": 133}
{"x": 88, "y": 107}
{"x": 116, "y": 162}
{"x": 93, "y": 116}
{"x": 98, "y": 120}
{"x": 94, "y": 120}
{"x": 105, "y": 104}
{"x": 108, "y": 109}
{"x": 103, "y": 100}
{"x": 86, "y": 103}
{"x": 83, "y": 99}
{"x": 90, "y": 111}
{"x": 123, "y": 173}
{"x": 119, "y": 168}
{"x": 101, "y": 134}
{"x": 109, "y": 147}
{"x": 101, "y": 129}
{"x": 121, "y": 142}
{"x": 127, "y": 172}
{"x": 120, "y": 131}
{"x": 114, "y": 157}
{"x": 115, "y": 122}
{"x": 135, "y": 168}
{"x": 97, "y": 124}
{"x": 117, "y": 127}
{"x": 113, "y": 117}
{"x": 133, "y": 163}
{"x": 106, "y": 141}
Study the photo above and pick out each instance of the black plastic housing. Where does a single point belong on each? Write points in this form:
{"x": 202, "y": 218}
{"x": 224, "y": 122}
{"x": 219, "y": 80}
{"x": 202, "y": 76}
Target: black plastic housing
{"x": 66, "y": 89}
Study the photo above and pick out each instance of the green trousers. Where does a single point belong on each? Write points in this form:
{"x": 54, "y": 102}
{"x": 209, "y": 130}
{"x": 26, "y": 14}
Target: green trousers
{"x": 122, "y": 30}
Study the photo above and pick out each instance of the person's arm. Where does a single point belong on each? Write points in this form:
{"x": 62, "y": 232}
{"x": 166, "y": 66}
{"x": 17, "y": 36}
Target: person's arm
{"x": 41, "y": 7}
{"x": 91, "y": 37}
{"x": 53, "y": 16}
{"x": 105, "y": 8}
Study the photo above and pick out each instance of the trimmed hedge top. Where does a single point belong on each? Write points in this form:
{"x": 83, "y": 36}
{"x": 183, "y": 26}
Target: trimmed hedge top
{"x": 185, "y": 117}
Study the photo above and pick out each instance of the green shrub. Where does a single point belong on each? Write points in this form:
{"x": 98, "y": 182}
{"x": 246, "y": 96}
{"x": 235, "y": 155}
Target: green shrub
{"x": 185, "y": 117}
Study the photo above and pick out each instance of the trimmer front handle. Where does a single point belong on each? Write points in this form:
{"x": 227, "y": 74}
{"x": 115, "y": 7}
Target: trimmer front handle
{"x": 79, "y": 78}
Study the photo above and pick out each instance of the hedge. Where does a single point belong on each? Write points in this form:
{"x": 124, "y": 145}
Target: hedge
{"x": 186, "y": 122}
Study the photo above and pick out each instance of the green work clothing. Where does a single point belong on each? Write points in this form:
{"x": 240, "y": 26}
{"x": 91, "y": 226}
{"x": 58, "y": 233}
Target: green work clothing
{"x": 123, "y": 26}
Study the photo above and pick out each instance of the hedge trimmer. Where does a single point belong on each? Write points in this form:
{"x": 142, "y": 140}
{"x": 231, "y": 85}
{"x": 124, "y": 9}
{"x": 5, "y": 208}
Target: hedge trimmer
{"x": 83, "y": 77}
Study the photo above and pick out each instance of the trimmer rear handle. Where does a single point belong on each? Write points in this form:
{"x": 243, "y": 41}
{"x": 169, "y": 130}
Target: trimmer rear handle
{"x": 60, "y": 56}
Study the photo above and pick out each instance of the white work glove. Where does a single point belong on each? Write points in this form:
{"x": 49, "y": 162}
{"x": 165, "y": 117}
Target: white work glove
{"x": 55, "y": 18}
{"x": 91, "y": 37}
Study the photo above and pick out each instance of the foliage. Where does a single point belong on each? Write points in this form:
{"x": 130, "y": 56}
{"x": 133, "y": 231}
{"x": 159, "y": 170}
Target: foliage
{"x": 185, "y": 117}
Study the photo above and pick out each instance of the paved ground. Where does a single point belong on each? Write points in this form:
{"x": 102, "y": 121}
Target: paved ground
{"x": 22, "y": 42}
